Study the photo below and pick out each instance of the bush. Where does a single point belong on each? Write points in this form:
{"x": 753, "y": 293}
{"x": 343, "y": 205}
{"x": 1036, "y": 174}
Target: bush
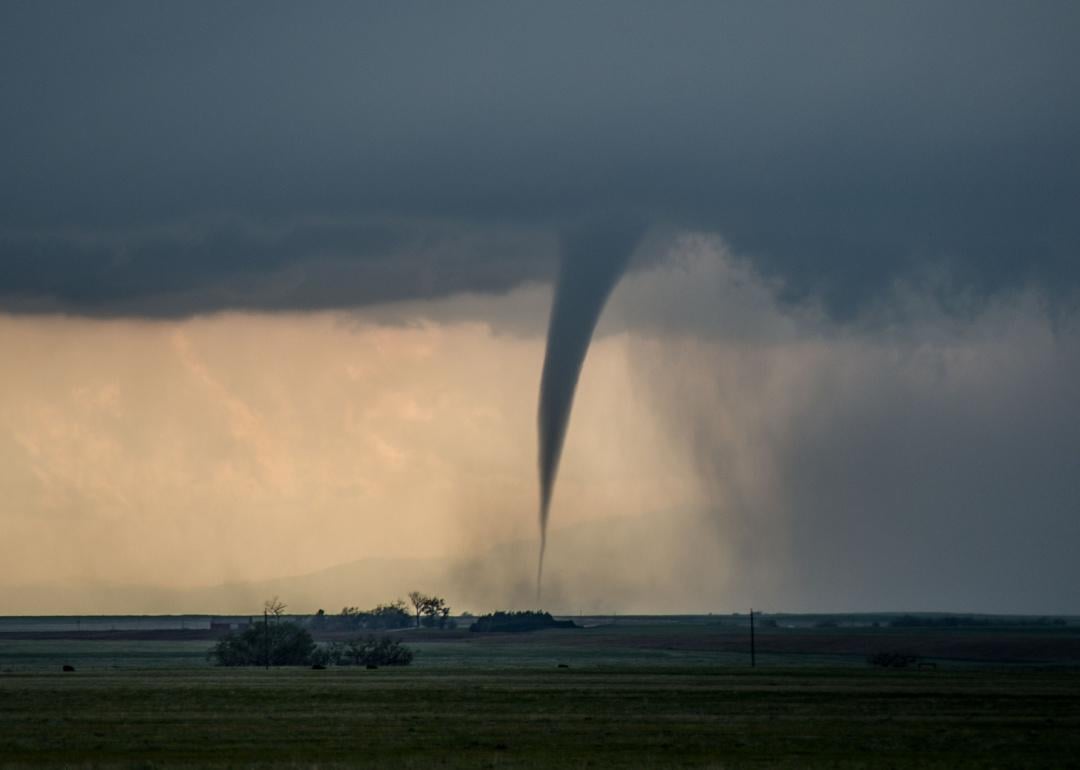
{"x": 280, "y": 643}
{"x": 384, "y": 616}
{"x": 519, "y": 621}
{"x": 369, "y": 651}
{"x": 891, "y": 659}
{"x": 327, "y": 654}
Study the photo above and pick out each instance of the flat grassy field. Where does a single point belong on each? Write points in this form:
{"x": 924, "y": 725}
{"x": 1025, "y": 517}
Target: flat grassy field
{"x": 627, "y": 699}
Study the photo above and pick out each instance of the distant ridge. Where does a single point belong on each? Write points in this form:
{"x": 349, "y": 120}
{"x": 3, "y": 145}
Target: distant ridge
{"x": 581, "y": 578}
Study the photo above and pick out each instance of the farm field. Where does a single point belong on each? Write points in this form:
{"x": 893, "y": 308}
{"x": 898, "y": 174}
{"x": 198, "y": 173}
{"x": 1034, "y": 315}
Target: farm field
{"x": 634, "y": 696}
{"x": 619, "y": 717}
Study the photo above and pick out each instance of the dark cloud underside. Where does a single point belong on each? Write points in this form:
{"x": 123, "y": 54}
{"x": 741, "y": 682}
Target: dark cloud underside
{"x": 840, "y": 144}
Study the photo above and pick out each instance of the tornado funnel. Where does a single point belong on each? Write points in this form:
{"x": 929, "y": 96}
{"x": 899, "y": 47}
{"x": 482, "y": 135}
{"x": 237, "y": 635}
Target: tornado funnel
{"x": 592, "y": 260}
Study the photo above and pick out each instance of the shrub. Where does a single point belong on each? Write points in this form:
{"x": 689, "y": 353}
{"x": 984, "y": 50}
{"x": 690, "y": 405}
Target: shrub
{"x": 375, "y": 651}
{"x": 519, "y": 621}
{"x": 384, "y": 616}
{"x": 280, "y": 643}
{"x": 327, "y": 654}
{"x": 891, "y": 659}
{"x": 370, "y": 651}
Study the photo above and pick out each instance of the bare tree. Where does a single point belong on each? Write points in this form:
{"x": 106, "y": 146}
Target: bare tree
{"x": 274, "y": 607}
{"x": 420, "y": 603}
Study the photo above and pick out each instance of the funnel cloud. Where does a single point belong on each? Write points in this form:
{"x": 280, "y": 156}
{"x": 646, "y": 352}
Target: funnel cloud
{"x": 283, "y": 278}
{"x": 593, "y": 259}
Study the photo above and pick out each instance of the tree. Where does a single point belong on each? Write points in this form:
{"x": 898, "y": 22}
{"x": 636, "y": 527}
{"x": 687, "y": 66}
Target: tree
{"x": 419, "y": 602}
{"x": 436, "y": 612}
{"x": 433, "y": 609}
{"x": 382, "y": 616}
{"x": 278, "y": 644}
{"x": 377, "y": 651}
{"x": 350, "y": 618}
{"x": 274, "y": 607}
{"x": 389, "y": 616}
{"x": 519, "y": 621}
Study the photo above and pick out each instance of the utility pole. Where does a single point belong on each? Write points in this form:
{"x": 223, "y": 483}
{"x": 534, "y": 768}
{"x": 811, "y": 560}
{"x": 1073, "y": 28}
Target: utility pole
{"x": 266, "y": 637}
{"x": 753, "y": 652}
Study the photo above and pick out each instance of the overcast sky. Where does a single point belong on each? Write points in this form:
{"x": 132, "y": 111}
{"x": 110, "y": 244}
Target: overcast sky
{"x": 291, "y": 264}
{"x": 152, "y": 149}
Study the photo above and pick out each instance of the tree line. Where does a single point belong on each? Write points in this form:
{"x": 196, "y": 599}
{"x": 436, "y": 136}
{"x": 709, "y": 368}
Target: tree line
{"x": 428, "y": 611}
{"x": 278, "y": 641}
{"x": 971, "y": 621}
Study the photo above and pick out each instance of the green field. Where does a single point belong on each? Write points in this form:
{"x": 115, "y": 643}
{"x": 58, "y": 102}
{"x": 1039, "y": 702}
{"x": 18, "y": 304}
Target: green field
{"x": 629, "y": 698}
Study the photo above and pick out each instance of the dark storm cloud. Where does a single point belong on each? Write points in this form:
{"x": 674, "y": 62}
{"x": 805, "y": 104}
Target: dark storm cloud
{"x": 839, "y": 144}
{"x": 234, "y": 264}
{"x": 929, "y": 464}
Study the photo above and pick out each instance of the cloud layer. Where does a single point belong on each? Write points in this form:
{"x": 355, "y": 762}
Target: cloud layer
{"x": 922, "y": 459}
{"x": 262, "y": 156}
{"x": 728, "y": 449}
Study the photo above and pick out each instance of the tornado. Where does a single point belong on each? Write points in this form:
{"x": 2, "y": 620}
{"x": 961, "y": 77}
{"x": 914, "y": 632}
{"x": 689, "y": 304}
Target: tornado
{"x": 593, "y": 259}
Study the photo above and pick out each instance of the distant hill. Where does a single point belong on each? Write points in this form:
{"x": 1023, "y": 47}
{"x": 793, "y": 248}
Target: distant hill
{"x": 626, "y": 564}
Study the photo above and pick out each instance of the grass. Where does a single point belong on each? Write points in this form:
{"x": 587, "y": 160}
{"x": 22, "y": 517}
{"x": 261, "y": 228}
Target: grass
{"x": 614, "y": 716}
{"x": 503, "y": 702}
{"x": 46, "y": 655}
{"x": 37, "y": 655}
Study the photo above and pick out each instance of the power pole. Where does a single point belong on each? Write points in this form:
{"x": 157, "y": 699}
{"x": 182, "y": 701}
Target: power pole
{"x": 266, "y": 637}
{"x": 753, "y": 651}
